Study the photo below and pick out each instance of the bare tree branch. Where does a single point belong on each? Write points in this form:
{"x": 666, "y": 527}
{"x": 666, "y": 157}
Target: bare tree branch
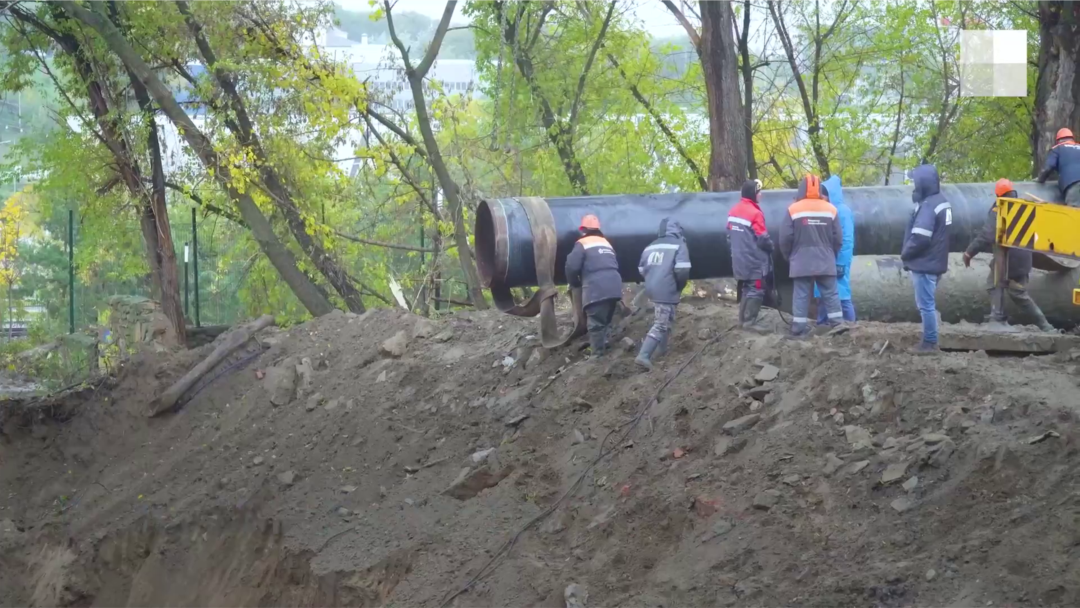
{"x": 576, "y": 105}
{"x": 695, "y": 37}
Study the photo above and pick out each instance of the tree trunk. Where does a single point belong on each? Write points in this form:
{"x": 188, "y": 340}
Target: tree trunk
{"x": 727, "y": 128}
{"x": 748, "y": 91}
{"x": 1058, "y": 87}
{"x": 155, "y": 217}
{"x": 261, "y": 229}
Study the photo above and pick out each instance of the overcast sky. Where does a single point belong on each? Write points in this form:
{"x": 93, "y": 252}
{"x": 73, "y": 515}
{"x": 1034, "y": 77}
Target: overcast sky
{"x": 656, "y": 19}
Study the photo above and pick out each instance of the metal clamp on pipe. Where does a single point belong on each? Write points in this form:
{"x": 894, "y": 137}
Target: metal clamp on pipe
{"x": 494, "y": 244}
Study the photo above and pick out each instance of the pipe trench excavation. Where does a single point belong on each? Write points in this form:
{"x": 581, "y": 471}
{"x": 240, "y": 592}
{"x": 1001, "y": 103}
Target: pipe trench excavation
{"x": 508, "y": 230}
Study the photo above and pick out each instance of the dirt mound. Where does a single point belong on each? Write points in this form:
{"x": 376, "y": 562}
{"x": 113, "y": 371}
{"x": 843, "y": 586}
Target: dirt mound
{"x": 384, "y": 458}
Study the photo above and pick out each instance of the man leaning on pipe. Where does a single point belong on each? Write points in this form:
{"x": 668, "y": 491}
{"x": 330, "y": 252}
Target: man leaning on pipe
{"x": 926, "y": 248}
{"x": 810, "y": 238}
{"x": 1064, "y": 157}
{"x": 834, "y": 193}
{"x": 751, "y": 250}
{"x": 1018, "y": 263}
{"x": 592, "y": 266}
{"x": 665, "y": 264}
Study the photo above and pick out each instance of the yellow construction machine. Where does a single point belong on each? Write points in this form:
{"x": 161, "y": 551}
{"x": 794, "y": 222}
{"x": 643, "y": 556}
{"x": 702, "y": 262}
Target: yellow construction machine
{"x": 1039, "y": 226}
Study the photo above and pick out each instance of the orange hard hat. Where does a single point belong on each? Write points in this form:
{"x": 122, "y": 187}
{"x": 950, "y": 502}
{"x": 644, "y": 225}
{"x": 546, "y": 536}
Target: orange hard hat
{"x": 1064, "y": 134}
{"x": 591, "y": 222}
{"x": 1003, "y": 187}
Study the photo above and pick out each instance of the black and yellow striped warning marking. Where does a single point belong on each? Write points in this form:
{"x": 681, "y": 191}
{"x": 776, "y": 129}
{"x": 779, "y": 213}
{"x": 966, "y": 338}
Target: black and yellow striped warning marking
{"x": 1018, "y": 218}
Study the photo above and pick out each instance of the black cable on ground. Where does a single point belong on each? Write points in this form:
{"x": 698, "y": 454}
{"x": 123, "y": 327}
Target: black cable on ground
{"x": 504, "y": 550}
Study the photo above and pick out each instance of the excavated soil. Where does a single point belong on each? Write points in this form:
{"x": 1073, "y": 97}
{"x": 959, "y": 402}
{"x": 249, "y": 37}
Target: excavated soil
{"x": 385, "y": 459}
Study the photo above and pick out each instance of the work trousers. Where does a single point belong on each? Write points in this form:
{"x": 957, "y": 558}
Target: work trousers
{"x": 846, "y": 306}
{"x": 599, "y": 316}
{"x": 1017, "y": 291}
{"x": 1072, "y": 194}
{"x": 926, "y": 299}
{"x": 663, "y": 321}
{"x": 800, "y": 302}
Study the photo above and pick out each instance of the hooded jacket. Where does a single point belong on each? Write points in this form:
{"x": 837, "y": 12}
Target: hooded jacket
{"x": 1065, "y": 158}
{"x": 847, "y": 229}
{"x": 665, "y": 264}
{"x": 748, "y": 240}
{"x": 926, "y": 242}
{"x": 1018, "y": 260}
{"x": 592, "y": 266}
{"x": 810, "y": 235}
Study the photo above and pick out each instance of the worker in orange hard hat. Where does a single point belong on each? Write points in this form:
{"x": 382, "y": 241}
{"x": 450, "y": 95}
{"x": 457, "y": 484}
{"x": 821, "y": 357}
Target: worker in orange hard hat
{"x": 1064, "y": 157}
{"x": 592, "y": 266}
{"x": 1018, "y": 263}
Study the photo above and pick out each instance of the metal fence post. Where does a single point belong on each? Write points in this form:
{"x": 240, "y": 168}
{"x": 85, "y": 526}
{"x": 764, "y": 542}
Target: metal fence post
{"x": 195, "y": 263}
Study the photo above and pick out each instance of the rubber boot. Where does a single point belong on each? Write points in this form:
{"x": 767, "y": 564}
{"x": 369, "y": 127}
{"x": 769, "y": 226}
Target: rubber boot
{"x": 644, "y": 357}
{"x": 751, "y": 322}
{"x": 742, "y": 312}
{"x": 1045, "y": 325}
{"x": 597, "y": 343}
{"x": 661, "y": 348}
{"x": 926, "y": 348}
{"x": 997, "y": 322}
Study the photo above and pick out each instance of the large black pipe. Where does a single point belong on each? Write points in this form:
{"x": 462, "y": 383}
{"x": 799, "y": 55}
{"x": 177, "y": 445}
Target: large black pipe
{"x": 504, "y": 238}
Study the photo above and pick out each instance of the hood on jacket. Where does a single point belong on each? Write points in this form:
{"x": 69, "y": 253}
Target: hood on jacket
{"x": 926, "y": 182}
{"x": 836, "y": 192}
{"x": 809, "y": 187}
{"x": 670, "y": 227}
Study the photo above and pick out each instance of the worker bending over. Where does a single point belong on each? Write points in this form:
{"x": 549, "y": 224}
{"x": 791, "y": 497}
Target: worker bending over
{"x": 1064, "y": 157}
{"x": 665, "y": 264}
{"x": 835, "y": 195}
{"x": 1018, "y": 265}
{"x": 751, "y": 254}
{"x": 592, "y": 266}
{"x": 810, "y": 238}
{"x": 926, "y": 248}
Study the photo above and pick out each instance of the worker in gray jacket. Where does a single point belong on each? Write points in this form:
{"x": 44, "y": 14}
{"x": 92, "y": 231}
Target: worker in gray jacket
{"x": 1018, "y": 269}
{"x": 665, "y": 264}
{"x": 810, "y": 238}
{"x": 592, "y": 265}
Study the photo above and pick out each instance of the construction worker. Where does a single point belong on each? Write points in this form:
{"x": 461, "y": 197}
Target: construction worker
{"x": 592, "y": 266}
{"x": 665, "y": 264}
{"x": 1018, "y": 263}
{"x": 926, "y": 248}
{"x": 751, "y": 254}
{"x": 1065, "y": 158}
{"x": 810, "y": 238}
{"x": 834, "y": 193}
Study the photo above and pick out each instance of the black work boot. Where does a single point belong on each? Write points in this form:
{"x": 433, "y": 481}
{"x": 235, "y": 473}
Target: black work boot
{"x": 644, "y": 357}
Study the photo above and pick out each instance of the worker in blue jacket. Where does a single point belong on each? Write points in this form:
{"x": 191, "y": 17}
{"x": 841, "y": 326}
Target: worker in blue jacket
{"x": 835, "y": 195}
{"x": 926, "y": 248}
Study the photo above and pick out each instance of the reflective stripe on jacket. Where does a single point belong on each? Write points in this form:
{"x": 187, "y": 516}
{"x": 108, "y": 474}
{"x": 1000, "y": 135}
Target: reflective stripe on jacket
{"x": 926, "y": 242}
{"x": 749, "y": 241}
{"x": 810, "y": 236}
{"x": 592, "y": 266}
{"x": 665, "y": 264}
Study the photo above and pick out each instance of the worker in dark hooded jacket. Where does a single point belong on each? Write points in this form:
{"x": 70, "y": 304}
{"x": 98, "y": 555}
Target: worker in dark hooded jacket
{"x": 1018, "y": 263}
{"x": 810, "y": 238}
{"x": 1064, "y": 158}
{"x": 926, "y": 248}
{"x": 592, "y": 266}
{"x": 665, "y": 264}
{"x": 751, "y": 254}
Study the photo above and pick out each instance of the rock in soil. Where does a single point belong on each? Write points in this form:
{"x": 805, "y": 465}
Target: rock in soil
{"x": 911, "y": 483}
{"x": 395, "y": 347}
{"x": 287, "y": 478}
{"x": 768, "y": 373}
{"x": 832, "y": 464}
{"x": 902, "y": 504}
{"x": 281, "y": 383}
{"x": 575, "y": 596}
{"x": 894, "y": 472}
{"x": 471, "y": 482}
{"x": 858, "y": 437}
{"x": 314, "y": 402}
{"x": 729, "y": 445}
{"x": 766, "y": 500}
{"x": 739, "y": 425}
